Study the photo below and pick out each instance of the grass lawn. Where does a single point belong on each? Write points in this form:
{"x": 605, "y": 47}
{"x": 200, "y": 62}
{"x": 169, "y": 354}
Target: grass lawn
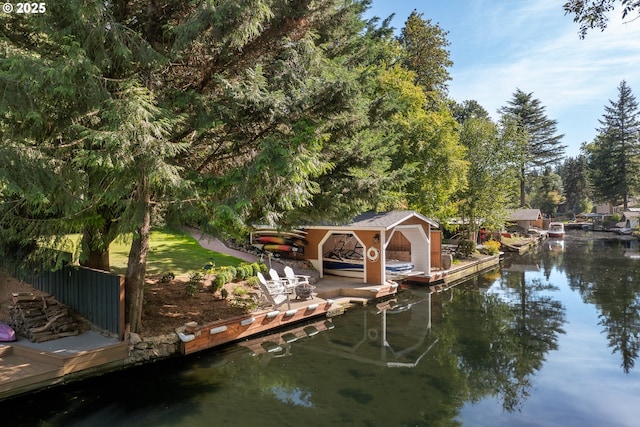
{"x": 169, "y": 250}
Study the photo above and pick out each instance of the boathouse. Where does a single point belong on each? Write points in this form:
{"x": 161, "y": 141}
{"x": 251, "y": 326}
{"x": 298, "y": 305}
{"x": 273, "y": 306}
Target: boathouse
{"x": 525, "y": 219}
{"x": 631, "y": 217}
{"x": 378, "y": 239}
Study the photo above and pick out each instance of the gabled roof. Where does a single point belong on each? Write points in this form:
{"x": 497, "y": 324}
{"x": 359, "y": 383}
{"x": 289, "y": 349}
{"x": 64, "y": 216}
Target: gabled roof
{"x": 525, "y": 215}
{"x": 379, "y": 220}
{"x": 631, "y": 213}
{"x": 387, "y": 220}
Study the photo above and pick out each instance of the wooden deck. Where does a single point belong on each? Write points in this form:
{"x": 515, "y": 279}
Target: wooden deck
{"x": 25, "y": 367}
{"x": 330, "y": 296}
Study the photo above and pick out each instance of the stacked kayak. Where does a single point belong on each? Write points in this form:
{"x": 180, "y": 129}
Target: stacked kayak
{"x": 284, "y": 243}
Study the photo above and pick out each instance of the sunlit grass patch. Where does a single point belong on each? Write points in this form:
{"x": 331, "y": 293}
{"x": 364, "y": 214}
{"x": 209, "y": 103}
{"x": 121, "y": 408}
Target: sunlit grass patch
{"x": 169, "y": 250}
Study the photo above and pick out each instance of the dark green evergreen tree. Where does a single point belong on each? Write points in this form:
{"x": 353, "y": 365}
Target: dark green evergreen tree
{"x": 548, "y": 192}
{"x": 614, "y": 155}
{"x": 425, "y": 46}
{"x": 577, "y": 185}
{"x": 544, "y": 146}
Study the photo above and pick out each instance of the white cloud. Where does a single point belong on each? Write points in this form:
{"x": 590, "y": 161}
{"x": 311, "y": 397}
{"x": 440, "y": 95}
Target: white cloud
{"x": 538, "y": 50}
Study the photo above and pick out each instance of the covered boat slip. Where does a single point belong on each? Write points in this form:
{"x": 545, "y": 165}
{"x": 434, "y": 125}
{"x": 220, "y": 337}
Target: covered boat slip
{"x": 376, "y": 247}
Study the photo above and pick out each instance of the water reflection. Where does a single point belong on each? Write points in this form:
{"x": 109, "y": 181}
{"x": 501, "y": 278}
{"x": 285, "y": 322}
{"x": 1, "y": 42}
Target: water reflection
{"x": 499, "y": 349}
{"x": 612, "y": 284}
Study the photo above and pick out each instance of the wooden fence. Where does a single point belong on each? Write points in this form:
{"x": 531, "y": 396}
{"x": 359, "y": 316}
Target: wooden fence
{"x": 96, "y": 295}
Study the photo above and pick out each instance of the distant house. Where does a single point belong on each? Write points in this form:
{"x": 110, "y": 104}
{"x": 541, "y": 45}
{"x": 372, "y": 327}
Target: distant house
{"x": 603, "y": 208}
{"x": 527, "y": 218}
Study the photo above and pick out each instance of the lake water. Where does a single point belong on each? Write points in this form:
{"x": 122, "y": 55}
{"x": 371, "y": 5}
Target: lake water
{"x": 550, "y": 339}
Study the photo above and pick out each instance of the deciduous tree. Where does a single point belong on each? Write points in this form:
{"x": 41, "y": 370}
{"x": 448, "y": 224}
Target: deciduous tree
{"x": 547, "y": 193}
{"x": 595, "y": 13}
{"x": 491, "y": 183}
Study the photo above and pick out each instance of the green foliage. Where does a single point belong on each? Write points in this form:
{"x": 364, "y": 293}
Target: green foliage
{"x": 219, "y": 281}
{"x": 541, "y": 147}
{"x": 614, "y": 155}
{"x": 466, "y": 248}
{"x": 425, "y": 53}
{"x": 231, "y": 271}
{"x": 256, "y": 268}
{"x": 594, "y": 13}
{"x": 193, "y": 285}
{"x": 492, "y": 174}
{"x": 430, "y": 145}
{"x": 224, "y": 275}
{"x": 576, "y": 183}
{"x": 240, "y": 291}
{"x": 253, "y": 281}
{"x": 547, "y": 193}
{"x": 167, "y": 277}
{"x": 243, "y": 271}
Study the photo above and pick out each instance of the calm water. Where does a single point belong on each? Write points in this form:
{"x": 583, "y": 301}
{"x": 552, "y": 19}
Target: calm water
{"x": 549, "y": 340}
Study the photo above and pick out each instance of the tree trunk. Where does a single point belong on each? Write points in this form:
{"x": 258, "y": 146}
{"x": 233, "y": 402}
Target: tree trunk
{"x": 97, "y": 259}
{"x": 95, "y": 245}
{"x": 137, "y": 264}
{"x": 522, "y": 189}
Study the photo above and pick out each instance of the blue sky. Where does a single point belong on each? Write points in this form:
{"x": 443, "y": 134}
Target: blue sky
{"x": 500, "y": 45}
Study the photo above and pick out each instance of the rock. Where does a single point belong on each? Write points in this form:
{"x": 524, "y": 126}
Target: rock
{"x": 135, "y": 339}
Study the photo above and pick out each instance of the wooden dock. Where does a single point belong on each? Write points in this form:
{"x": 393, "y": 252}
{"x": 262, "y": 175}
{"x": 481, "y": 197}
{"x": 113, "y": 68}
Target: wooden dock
{"x": 332, "y": 294}
{"x": 456, "y": 272}
{"x": 25, "y": 367}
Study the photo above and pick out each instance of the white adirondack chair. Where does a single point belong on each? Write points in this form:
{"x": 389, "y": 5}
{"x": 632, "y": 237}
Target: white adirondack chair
{"x": 273, "y": 292}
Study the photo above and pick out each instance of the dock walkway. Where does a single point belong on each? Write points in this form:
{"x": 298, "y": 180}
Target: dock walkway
{"x": 27, "y": 366}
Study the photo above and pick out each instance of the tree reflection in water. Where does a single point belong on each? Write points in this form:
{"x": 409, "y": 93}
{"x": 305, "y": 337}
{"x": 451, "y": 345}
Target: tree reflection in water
{"x": 610, "y": 282}
{"x": 502, "y": 338}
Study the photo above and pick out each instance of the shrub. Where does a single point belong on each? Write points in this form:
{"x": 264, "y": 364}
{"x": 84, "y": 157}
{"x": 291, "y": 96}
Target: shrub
{"x": 492, "y": 247}
{"x": 244, "y": 271}
{"x": 466, "y": 248}
{"x": 167, "y": 276}
{"x": 193, "y": 285}
{"x": 256, "y": 268}
{"x": 218, "y": 282}
{"x": 224, "y": 275}
{"x": 232, "y": 271}
{"x": 247, "y": 304}
{"x": 253, "y": 281}
{"x": 239, "y": 290}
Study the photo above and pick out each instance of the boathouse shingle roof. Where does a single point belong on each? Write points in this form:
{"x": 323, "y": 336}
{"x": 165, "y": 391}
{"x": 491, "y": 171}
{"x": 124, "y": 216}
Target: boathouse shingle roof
{"x": 525, "y": 215}
{"x": 378, "y": 220}
{"x": 387, "y": 220}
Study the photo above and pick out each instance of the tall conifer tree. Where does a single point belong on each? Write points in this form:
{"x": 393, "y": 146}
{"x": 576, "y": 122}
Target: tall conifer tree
{"x": 614, "y": 155}
{"x": 544, "y": 146}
